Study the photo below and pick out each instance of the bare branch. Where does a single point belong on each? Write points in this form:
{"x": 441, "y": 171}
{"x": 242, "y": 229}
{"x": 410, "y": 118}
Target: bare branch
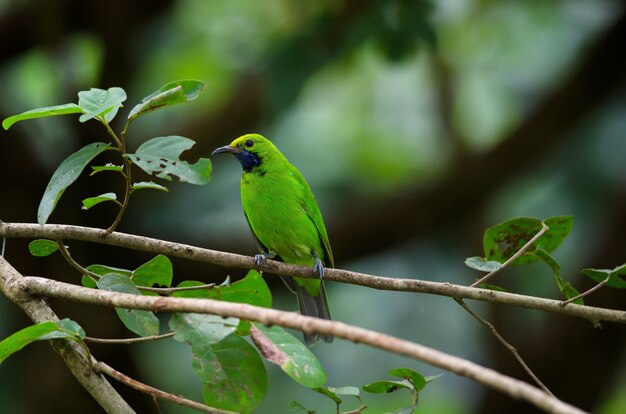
{"x": 507, "y": 385}
{"x": 57, "y": 231}
{"x": 156, "y": 393}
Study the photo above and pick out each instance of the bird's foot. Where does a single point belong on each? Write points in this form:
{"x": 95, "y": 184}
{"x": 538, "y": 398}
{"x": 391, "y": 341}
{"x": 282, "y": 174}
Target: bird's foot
{"x": 318, "y": 267}
{"x": 261, "y": 258}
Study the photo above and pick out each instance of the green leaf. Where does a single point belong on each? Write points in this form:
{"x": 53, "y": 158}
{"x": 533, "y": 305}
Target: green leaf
{"x": 565, "y": 287}
{"x": 503, "y": 240}
{"x": 382, "y": 387}
{"x": 64, "y": 109}
{"x": 291, "y": 355}
{"x": 330, "y": 394}
{"x": 559, "y": 228}
{"x": 100, "y": 103}
{"x": 42, "y": 247}
{"x": 617, "y": 276}
{"x": 480, "y": 263}
{"x": 414, "y": 377}
{"x": 65, "y": 175}
{"x": 252, "y": 290}
{"x": 108, "y": 167}
{"x": 148, "y": 185}
{"x": 160, "y": 156}
{"x": 102, "y": 270}
{"x": 170, "y": 94}
{"x": 66, "y": 328}
{"x": 157, "y": 271}
{"x": 23, "y": 337}
{"x": 141, "y": 322}
{"x": 348, "y": 390}
{"x": 198, "y": 329}
{"x": 92, "y": 201}
{"x": 233, "y": 373}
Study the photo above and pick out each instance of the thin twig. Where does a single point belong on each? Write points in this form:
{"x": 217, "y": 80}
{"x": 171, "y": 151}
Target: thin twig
{"x": 127, "y": 192}
{"x": 172, "y": 249}
{"x": 95, "y": 277}
{"x": 155, "y": 392}
{"x": 129, "y": 340}
{"x": 587, "y": 292}
{"x": 506, "y": 344}
{"x": 70, "y": 260}
{"x": 511, "y": 259}
{"x": 507, "y": 385}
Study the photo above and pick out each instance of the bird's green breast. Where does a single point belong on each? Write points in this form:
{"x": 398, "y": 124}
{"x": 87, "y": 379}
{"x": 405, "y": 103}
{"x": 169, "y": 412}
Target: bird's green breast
{"x": 276, "y": 203}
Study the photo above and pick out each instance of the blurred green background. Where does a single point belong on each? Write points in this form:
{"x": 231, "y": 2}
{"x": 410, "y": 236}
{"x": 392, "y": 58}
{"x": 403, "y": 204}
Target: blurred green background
{"x": 417, "y": 124}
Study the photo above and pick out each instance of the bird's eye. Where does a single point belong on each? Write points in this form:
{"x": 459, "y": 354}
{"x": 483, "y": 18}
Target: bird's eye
{"x": 249, "y": 143}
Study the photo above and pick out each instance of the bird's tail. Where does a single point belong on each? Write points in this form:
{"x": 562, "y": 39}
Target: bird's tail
{"x": 316, "y": 306}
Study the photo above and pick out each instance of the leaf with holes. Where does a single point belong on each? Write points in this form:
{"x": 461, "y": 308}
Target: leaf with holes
{"x": 65, "y": 175}
{"x": 160, "y": 156}
{"x": 503, "y": 240}
{"x": 65, "y": 109}
{"x": 141, "y": 322}
{"x": 171, "y": 94}
{"x": 100, "y": 103}
{"x": 291, "y": 355}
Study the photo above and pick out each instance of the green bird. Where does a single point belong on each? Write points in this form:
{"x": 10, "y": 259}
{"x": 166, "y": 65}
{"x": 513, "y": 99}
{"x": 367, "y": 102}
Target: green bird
{"x": 284, "y": 219}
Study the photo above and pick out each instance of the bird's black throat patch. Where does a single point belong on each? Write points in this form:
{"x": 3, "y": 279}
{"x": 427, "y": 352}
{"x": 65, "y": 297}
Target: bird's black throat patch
{"x": 248, "y": 160}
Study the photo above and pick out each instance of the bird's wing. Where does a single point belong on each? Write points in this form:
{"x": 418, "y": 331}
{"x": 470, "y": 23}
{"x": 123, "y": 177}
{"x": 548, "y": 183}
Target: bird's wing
{"x": 312, "y": 210}
{"x": 260, "y": 245}
{"x": 316, "y": 217}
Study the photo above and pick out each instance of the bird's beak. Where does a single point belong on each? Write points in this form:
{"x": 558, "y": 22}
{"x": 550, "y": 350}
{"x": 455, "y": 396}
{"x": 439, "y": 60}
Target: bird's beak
{"x": 226, "y": 148}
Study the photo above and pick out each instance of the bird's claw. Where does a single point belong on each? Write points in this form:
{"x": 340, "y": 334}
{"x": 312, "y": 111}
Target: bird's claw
{"x": 318, "y": 267}
{"x": 261, "y": 258}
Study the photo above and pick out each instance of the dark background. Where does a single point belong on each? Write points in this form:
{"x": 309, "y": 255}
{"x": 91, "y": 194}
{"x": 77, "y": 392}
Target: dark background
{"x": 417, "y": 125}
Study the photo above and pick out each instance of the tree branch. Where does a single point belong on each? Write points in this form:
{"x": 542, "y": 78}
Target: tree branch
{"x": 510, "y": 386}
{"x": 154, "y": 392}
{"x": 72, "y": 353}
{"x": 58, "y": 231}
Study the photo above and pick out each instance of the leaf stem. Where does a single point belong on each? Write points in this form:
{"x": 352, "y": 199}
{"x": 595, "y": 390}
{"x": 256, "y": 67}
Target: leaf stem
{"x": 587, "y": 292}
{"x": 511, "y": 259}
{"x": 129, "y": 340}
{"x": 127, "y": 192}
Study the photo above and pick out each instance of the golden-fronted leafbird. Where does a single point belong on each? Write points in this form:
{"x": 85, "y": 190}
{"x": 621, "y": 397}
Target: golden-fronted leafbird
{"x": 285, "y": 219}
